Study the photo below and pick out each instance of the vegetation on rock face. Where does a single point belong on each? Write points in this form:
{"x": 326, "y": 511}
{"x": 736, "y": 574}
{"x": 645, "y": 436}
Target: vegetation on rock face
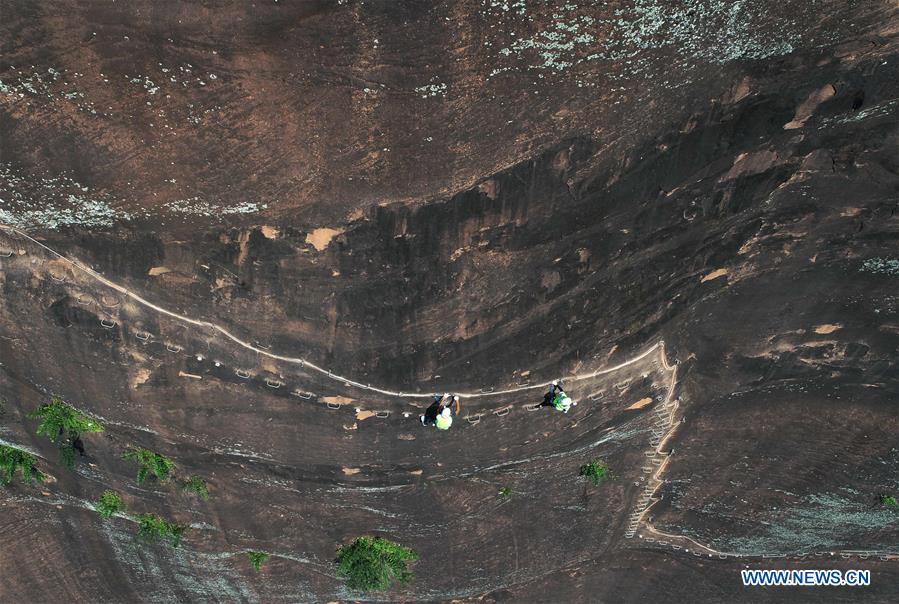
{"x": 197, "y": 485}
{"x": 505, "y": 493}
{"x": 889, "y": 500}
{"x": 596, "y": 471}
{"x": 11, "y": 460}
{"x": 64, "y": 425}
{"x": 257, "y": 559}
{"x": 150, "y": 462}
{"x": 153, "y": 528}
{"x": 108, "y": 504}
{"x": 370, "y": 563}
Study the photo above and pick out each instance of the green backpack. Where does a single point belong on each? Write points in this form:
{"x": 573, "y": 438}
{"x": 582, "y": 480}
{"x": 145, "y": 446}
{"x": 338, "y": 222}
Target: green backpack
{"x": 562, "y": 402}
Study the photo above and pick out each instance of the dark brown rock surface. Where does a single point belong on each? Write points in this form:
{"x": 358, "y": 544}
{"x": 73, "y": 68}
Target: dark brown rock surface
{"x": 305, "y": 217}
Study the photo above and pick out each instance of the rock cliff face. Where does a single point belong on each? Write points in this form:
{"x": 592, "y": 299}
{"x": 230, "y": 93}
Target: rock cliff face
{"x": 256, "y": 238}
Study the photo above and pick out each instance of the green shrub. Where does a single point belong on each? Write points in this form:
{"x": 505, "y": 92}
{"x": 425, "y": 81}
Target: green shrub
{"x": 153, "y": 528}
{"x": 63, "y": 425}
{"x": 150, "y": 462}
{"x": 11, "y": 460}
{"x": 374, "y": 563}
{"x": 505, "y": 493}
{"x": 197, "y": 485}
{"x": 257, "y": 559}
{"x": 597, "y": 471}
{"x": 108, "y": 504}
{"x": 889, "y": 500}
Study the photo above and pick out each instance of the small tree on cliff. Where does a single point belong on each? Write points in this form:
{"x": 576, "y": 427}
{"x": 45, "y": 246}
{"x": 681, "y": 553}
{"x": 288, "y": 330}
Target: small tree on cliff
{"x": 64, "y": 425}
{"x": 150, "y": 463}
{"x": 596, "y": 471}
{"x": 370, "y": 563}
{"x": 257, "y": 559}
{"x": 14, "y": 460}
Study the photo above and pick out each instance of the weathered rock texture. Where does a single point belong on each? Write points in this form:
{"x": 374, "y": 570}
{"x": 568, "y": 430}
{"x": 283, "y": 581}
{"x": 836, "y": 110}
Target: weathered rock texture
{"x": 474, "y": 195}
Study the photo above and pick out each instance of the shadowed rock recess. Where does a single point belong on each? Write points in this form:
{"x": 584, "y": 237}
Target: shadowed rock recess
{"x": 255, "y": 238}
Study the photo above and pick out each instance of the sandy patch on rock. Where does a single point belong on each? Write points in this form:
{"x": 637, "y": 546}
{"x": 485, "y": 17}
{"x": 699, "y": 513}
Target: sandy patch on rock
{"x": 827, "y": 328}
{"x": 357, "y": 214}
{"x": 641, "y": 403}
{"x": 807, "y": 108}
{"x": 490, "y": 188}
{"x": 550, "y": 280}
{"x": 747, "y": 164}
{"x": 364, "y": 414}
{"x": 320, "y": 238}
{"x": 159, "y": 270}
{"x": 338, "y": 400}
{"x": 721, "y": 272}
{"x": 243, "y": 241}
{"x": 739, "y": 91}
{"x": 351, "y": 471}
{"x": 140, "y": 377}
{"x": 817, "y": 161}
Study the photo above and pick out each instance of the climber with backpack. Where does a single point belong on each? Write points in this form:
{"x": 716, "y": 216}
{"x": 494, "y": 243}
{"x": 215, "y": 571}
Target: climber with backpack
{"x": 440, "y": 413}
{"x": 557, "y": 398}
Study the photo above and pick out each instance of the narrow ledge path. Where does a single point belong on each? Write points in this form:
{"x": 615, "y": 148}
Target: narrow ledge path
{"x": 301, "y": 361}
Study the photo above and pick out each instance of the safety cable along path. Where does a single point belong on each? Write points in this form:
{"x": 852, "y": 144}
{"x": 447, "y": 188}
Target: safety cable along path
{"x": 300, "y": 361}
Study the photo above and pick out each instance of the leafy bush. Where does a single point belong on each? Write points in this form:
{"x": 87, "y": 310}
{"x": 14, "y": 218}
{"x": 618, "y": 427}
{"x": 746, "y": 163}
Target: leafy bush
{"x": 889, "y": 500}
{"x": 108, "y": 504}
{"x": 374, "y": 563}
{"x": 12, "y": 459}
{"x": 505, "y": 493}
{"x": 257, "y": 559}
{"x": 197, "y": 485}
{"x": 63, "y": 425}
{"x": 150, "y": 462}
{"x": 153, "y": 528}
{"x": 597, "y": 471}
